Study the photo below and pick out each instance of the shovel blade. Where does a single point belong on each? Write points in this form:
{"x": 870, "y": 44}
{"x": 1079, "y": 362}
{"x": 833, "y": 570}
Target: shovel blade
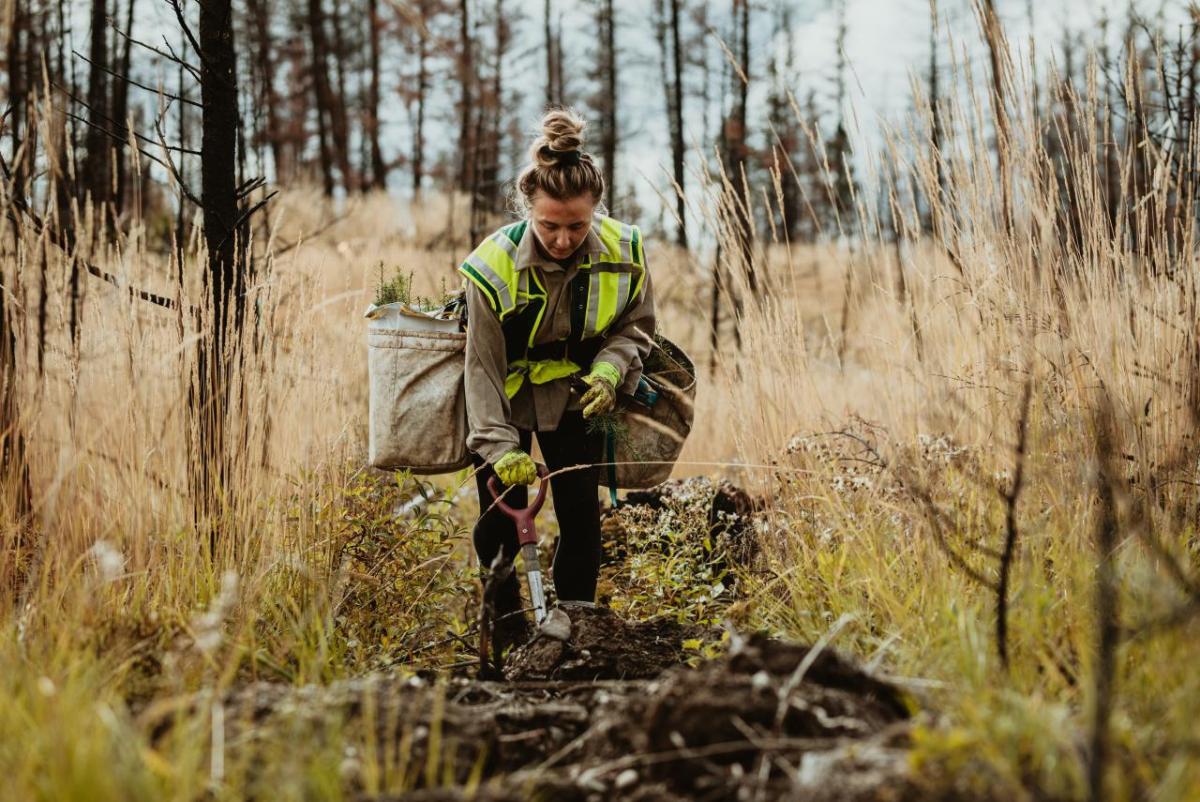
{"x": 533, "y": 575}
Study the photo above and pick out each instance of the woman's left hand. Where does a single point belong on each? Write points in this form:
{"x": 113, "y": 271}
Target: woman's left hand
{"x": 601, "y": 396}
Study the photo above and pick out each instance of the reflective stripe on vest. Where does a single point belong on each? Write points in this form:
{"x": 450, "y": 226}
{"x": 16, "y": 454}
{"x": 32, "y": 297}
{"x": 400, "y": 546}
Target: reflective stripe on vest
{"x": 615, "y": 278}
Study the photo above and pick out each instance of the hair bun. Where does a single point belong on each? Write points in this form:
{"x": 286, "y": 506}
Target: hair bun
{"x": 562, "y": 134}
{"x": 558, "y": 165}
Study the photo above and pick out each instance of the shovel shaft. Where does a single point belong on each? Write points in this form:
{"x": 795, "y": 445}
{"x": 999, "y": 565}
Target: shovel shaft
{"x": 533, "y": 575}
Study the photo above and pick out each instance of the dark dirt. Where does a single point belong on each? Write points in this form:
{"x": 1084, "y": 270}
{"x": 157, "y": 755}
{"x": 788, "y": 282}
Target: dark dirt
{"x": 601, "y": 646}
{"x": 611, "y": 714}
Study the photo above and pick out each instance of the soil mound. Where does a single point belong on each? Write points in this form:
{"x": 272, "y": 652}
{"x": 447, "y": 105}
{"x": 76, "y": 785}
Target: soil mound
{"x": 580, "y": 720}
{"x": 600, "y": 646}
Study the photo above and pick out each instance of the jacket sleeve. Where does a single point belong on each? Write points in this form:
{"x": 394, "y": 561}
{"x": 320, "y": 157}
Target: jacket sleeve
{"x": 490, "y": 434}
{"x": 630, "y": 338}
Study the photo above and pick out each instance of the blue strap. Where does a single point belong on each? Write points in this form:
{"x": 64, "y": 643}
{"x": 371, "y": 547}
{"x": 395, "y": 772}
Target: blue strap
{"x": 610, "y": 442}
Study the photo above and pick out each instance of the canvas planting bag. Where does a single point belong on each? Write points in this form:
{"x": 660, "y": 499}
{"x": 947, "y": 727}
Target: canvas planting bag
{"x": 418, "y": 410}
{"x": 654, "y": 422}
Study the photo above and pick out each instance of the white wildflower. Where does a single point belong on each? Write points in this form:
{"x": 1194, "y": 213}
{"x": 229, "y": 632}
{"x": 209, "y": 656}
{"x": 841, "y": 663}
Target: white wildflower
{"x": 109, "y": 561}
{"x": 209, "y": 624}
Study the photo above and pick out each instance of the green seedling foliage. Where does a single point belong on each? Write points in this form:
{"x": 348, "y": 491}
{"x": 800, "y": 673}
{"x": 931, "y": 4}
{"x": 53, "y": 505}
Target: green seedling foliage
{"x": 610, "y": 424}
{"x": 398, "y": 288}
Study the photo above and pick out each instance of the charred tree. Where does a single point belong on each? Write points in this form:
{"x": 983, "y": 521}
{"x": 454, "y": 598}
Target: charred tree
{"x": 737, "y": 151}
{"x": 841, "y": 198}
{"x": 120, "y": 113}
{"x": 16, "y": 22}
{"x": 785, "y": 144}
{"x": 14, "y": 467}
{"x": 935, "y": 122}
{"x": 96, "y": 168}
{"x": 224, "y": 270}
{"x": 667, "y": 30}
{"x": 676, "y": 125}
{"x": 421, "y": 94}
{"x": 606, "y": 72}
{"x": 322, "y": 90}
{"x": 554, "y": 80}
{"x": 259, "y": 12}
{"x": 338, "y": 114}
{"x": 379, "y": 167}
{"x": 466, "y": 80}
{"x": 487, "y": 198}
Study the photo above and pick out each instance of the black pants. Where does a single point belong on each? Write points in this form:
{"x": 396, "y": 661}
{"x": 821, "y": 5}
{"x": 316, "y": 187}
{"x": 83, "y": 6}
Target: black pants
{"x": 577, "y": 553}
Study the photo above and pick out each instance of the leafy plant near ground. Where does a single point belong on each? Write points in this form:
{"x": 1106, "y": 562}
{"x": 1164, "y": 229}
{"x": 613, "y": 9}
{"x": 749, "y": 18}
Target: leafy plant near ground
{"x": 669, "y": 562}
{"x": 404, "y": 552}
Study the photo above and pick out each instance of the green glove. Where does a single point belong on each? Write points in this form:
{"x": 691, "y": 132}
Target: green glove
{"x": 601, "y": 395}
{"x": 516, "y": 468}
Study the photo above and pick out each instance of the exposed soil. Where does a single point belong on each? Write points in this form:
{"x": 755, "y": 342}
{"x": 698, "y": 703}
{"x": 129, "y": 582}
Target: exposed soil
{"x": 611, "y": 714}
{"x": 601, "y": 646}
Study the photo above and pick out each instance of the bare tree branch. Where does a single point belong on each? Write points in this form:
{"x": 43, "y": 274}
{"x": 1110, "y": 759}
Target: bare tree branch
{"x": 195, "y": 71}
{"x": 128, "y": 80}
{"x": 184, "y": 189}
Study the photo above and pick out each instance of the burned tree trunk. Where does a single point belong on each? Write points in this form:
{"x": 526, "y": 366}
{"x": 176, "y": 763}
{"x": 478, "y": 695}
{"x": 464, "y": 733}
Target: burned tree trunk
{"x": 96, "y": 163}
{"x": 337, "y": 109}
{"x": 378, "y": 165}
{"x": 260, "y": 20}
{"x": 489, "y": 137}
{"x": 466, "y": 79}
{"x": 15, "y": 20}
{"x": 935, "y": 123}
{"x": 676, "y": 124}
{"x": 553, "y": 79}
{"x": 120, "y": 107}
{"x": 737, "y": 147}
{"x": 418, "y": 155}
{"x": 608, "y": 105}
{"x": 225, "y": 280}
{"x": 842, "y": 187}
{"x": 322, "y": 91}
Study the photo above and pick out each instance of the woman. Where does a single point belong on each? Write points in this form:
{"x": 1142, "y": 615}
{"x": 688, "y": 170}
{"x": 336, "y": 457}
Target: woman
{"x": 560, "y": 316}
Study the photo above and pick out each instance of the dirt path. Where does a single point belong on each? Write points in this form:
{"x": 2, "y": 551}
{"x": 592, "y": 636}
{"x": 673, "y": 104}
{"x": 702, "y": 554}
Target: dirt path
{"x": 610, "y": 713}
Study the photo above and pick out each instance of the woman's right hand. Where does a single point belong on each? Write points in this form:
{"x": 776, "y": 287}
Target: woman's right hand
{"x": 516, "y": 468}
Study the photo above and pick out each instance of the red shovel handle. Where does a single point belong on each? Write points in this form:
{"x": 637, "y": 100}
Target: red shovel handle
{"x": 523, "y": 518}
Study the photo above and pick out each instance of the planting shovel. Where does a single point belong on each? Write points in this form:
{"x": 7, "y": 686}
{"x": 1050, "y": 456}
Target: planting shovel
{"x": 527, "y": 537}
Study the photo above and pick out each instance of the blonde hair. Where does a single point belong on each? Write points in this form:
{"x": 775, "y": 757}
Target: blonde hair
{"x": 558, "y": 165}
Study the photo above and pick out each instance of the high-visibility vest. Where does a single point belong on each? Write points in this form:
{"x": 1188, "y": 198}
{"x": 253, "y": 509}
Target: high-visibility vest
{"x": 602, "y": 289}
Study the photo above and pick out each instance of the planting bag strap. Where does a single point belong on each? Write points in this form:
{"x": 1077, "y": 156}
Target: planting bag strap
{"x": 610, "y": 448}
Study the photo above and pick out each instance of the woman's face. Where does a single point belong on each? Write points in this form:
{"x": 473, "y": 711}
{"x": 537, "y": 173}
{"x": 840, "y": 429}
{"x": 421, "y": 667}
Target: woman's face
{"x": 561, "y": 225}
